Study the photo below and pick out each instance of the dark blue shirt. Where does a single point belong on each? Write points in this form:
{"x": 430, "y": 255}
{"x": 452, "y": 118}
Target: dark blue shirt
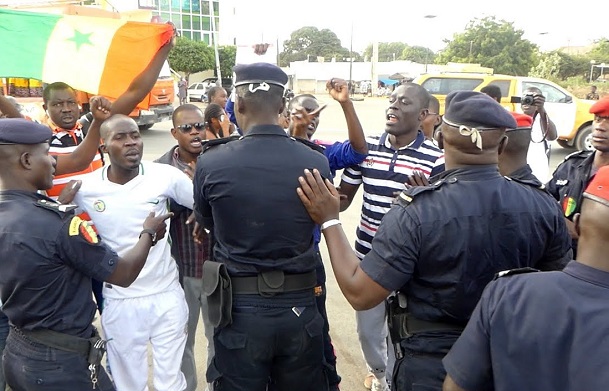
{"x": 340, "y": 155}
{"x": 245, "y": 190}
{"x": 47, "y": 259}
{"x": 443, "y": 246}
{"x": 537, "y": 331}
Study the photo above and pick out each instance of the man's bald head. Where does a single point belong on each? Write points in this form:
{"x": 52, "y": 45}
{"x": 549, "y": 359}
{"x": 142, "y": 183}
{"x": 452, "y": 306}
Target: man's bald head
{"x": 114, "y": 122}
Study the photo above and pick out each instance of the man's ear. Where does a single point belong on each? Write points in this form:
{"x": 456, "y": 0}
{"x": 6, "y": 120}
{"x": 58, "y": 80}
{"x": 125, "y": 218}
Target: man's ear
{"x": 576, "y": 220}
{"x": 503, "y": 141}
{"x": 103, "y": 148}
{"x": 26, "y": 160}
{"x": 174, "y": 132}
{"x": 423, "y": 114}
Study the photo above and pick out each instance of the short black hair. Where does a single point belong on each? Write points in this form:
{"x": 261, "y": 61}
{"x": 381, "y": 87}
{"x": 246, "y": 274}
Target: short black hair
{"x": 493, "y": 91}
{"x": 299, "y": 98}
{"x": 268, "y": 101}
{"x": 184, "y": 107}
{"x": 212, "y": 92}
{"x": 434, "y": 104}
{"x": 57, "y": 86}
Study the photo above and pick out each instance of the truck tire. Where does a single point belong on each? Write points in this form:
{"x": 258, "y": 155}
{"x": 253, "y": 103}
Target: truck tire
{"x": 145, "y": 127}
{"x": 583, "y": 141}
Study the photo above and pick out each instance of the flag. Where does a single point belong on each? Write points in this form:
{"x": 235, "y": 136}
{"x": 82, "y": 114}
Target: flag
{"x": 100, "y": 56}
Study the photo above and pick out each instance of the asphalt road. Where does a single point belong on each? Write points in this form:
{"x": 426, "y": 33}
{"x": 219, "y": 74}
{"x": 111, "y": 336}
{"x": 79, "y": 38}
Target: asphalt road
{"x": 371, "y": 112}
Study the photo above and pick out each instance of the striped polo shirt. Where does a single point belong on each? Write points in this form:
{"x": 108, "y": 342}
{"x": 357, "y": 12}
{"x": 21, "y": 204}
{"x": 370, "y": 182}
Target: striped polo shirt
{"x": 385, "y": 172}
{"x": 64, "y": 142}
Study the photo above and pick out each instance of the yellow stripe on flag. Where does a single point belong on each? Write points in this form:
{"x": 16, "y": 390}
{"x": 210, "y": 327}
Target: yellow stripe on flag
{"x": 76, "y": 41}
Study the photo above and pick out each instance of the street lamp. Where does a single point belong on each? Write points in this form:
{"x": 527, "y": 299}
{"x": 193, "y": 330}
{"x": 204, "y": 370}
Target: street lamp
{"x": 427, "y": 53}
{"x": 592, "y": 62}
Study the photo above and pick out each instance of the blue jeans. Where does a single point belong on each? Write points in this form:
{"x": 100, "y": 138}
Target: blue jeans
{"x": 3, "y": 336}
{"x": 30, "y": 366}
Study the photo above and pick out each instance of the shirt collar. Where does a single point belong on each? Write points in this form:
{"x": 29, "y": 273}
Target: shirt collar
{"x": 268, "y": 130}
{"x": 415, "y": 144}
{"x": 475, "y": 173}
{"x": 587, "y": 273}
{"x": 104, "y": 171}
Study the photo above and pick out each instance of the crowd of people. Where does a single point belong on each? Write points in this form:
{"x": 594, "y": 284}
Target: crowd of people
{"x": 473, "y": 268}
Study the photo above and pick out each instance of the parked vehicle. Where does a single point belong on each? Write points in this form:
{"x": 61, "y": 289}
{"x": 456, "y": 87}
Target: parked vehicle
{"x": 570, "y": 114}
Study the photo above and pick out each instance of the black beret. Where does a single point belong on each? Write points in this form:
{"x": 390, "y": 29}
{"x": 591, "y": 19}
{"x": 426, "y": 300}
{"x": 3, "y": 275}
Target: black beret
{"x": 22, "y": 131}
{"x": 258, "y": 73}
{"x": 476, "y": 110}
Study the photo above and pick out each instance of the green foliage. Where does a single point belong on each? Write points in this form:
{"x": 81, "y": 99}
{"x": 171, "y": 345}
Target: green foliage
{"x": 312, "y": 42}
{"x": 228, "y": 55}
{"x": 191, "y": 56}
{"x": 419, "y": 54}
{"x": 494, "y": 44}
{"x": 388, "y": 51}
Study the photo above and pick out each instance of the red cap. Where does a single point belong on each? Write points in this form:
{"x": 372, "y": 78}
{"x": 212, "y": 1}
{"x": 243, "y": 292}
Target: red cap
{"x": 598, "y": 189}
{"x": 522, "y": 120}
{"x": 601, "y": 107}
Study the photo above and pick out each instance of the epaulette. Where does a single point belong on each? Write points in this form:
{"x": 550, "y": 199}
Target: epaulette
{"x": 310, "y": 144}
{"x": 61, "y": 209}
{"x": 529, "y": 182}
{"x": 578, "y": 154}
{"x": 513, "y": 272}
{"x": 208, "y": 144}
{"x": 407, "y": 196}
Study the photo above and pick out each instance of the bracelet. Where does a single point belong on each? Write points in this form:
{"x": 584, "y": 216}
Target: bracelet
{"x": 330, "y": 223}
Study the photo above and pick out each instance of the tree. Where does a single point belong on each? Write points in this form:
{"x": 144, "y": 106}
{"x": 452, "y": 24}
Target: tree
{"x": 419, "y": 54}
{"x": 388, "y": 51}
{"x": 228, "y": 55}
{"x": 309, "y": 43}
{"x": 191, "y": 56}
{"x": 494, "y": 44}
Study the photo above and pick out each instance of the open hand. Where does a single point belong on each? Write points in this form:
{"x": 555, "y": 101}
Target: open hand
{"x": 69, "y": 192}
{"x": 319, "y": 196}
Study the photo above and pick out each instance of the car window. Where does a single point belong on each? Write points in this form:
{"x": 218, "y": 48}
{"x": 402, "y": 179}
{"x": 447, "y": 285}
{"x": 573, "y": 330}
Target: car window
{"x": 444, "y": 86}
{"x": 504, "y": 85}
{"x": 552, "y": 94}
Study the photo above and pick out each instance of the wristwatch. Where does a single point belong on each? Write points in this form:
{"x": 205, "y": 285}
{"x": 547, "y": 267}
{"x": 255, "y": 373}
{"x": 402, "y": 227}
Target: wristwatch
{"x": 152, "y": 234}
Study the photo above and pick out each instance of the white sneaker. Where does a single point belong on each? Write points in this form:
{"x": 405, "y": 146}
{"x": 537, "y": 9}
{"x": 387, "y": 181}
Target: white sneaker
{"x": 379, "y": 384}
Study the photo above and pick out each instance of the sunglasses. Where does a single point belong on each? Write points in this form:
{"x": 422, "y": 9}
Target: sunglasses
{"x": 199, "y": 126}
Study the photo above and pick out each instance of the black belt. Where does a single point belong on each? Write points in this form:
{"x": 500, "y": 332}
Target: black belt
{"x": 275, "y": 281}
{"x": 56, "y": 340}
{"x": 414, "y": 326}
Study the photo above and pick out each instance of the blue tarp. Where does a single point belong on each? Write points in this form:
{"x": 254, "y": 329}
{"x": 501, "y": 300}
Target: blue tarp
{"x": 389, "y": 82}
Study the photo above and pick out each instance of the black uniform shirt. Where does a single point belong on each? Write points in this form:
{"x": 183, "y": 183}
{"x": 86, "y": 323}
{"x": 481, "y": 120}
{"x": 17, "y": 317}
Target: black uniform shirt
{"x": 444, "y": 245}
{"x": 47, "y": 259}
{"x": 525, "y": 174}
{"x": 245, "y": 190}
{"x": 570, "y": 180}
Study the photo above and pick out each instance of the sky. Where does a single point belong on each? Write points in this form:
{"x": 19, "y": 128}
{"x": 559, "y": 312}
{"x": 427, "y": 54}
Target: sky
{"x": 544, "y": 22}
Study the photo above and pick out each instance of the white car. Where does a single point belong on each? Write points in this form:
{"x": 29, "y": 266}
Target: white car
{"x": 196, "y": 92}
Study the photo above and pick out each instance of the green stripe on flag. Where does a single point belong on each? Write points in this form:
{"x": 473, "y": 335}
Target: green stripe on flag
{"x": 23, "y": 43}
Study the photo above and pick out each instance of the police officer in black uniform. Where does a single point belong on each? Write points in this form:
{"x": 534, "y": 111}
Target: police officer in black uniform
{"x": 441, "y": 244}
{"x": 513, "y": 158}
{"x": 577, "y": 170}
{"x": 271, "y": 334}
{"x": 48, "y": 257}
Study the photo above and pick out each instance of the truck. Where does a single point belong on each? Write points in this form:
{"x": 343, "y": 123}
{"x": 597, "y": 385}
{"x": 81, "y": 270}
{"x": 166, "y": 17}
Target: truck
{"x": 570, "y": 114}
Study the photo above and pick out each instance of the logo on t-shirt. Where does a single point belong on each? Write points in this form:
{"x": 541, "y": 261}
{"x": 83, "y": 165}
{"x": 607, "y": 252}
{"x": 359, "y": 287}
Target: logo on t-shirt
{"x": 99, "y": 206}
{"x": 369, "y": 161}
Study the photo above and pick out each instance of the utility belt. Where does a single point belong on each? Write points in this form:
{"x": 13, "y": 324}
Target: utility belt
{"x": 403, "y": 325}
{"x": 219, "y": 288}
{"x": 92, "y": 348}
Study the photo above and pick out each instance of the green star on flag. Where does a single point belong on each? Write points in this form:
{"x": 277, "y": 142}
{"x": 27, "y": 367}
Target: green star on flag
{"x": 81, "y": 39}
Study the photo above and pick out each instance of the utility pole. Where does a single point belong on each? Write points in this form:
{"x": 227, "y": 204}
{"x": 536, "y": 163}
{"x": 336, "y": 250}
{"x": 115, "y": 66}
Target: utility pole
{"x": 350, "y": 84}
{"x": 214, "y": 32}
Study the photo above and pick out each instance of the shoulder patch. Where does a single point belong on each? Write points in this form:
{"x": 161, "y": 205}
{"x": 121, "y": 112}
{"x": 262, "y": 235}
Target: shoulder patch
{"x": 407, "y": 196}
{"x": 578, "y": 154}
{"x": 317, "y": 147}
{"x": 55, "y": 206}
{"x": 513, "y": 272}
{"x": 82, "y": 228}
{"x": 208, "y": 144}
{"x": 529, "y": 182}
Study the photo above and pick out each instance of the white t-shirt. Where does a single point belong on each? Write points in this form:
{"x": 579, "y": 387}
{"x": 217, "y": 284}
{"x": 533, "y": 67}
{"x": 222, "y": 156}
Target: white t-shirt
{"x": 118, "y": 212}
{"x": 537, "y": 157}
